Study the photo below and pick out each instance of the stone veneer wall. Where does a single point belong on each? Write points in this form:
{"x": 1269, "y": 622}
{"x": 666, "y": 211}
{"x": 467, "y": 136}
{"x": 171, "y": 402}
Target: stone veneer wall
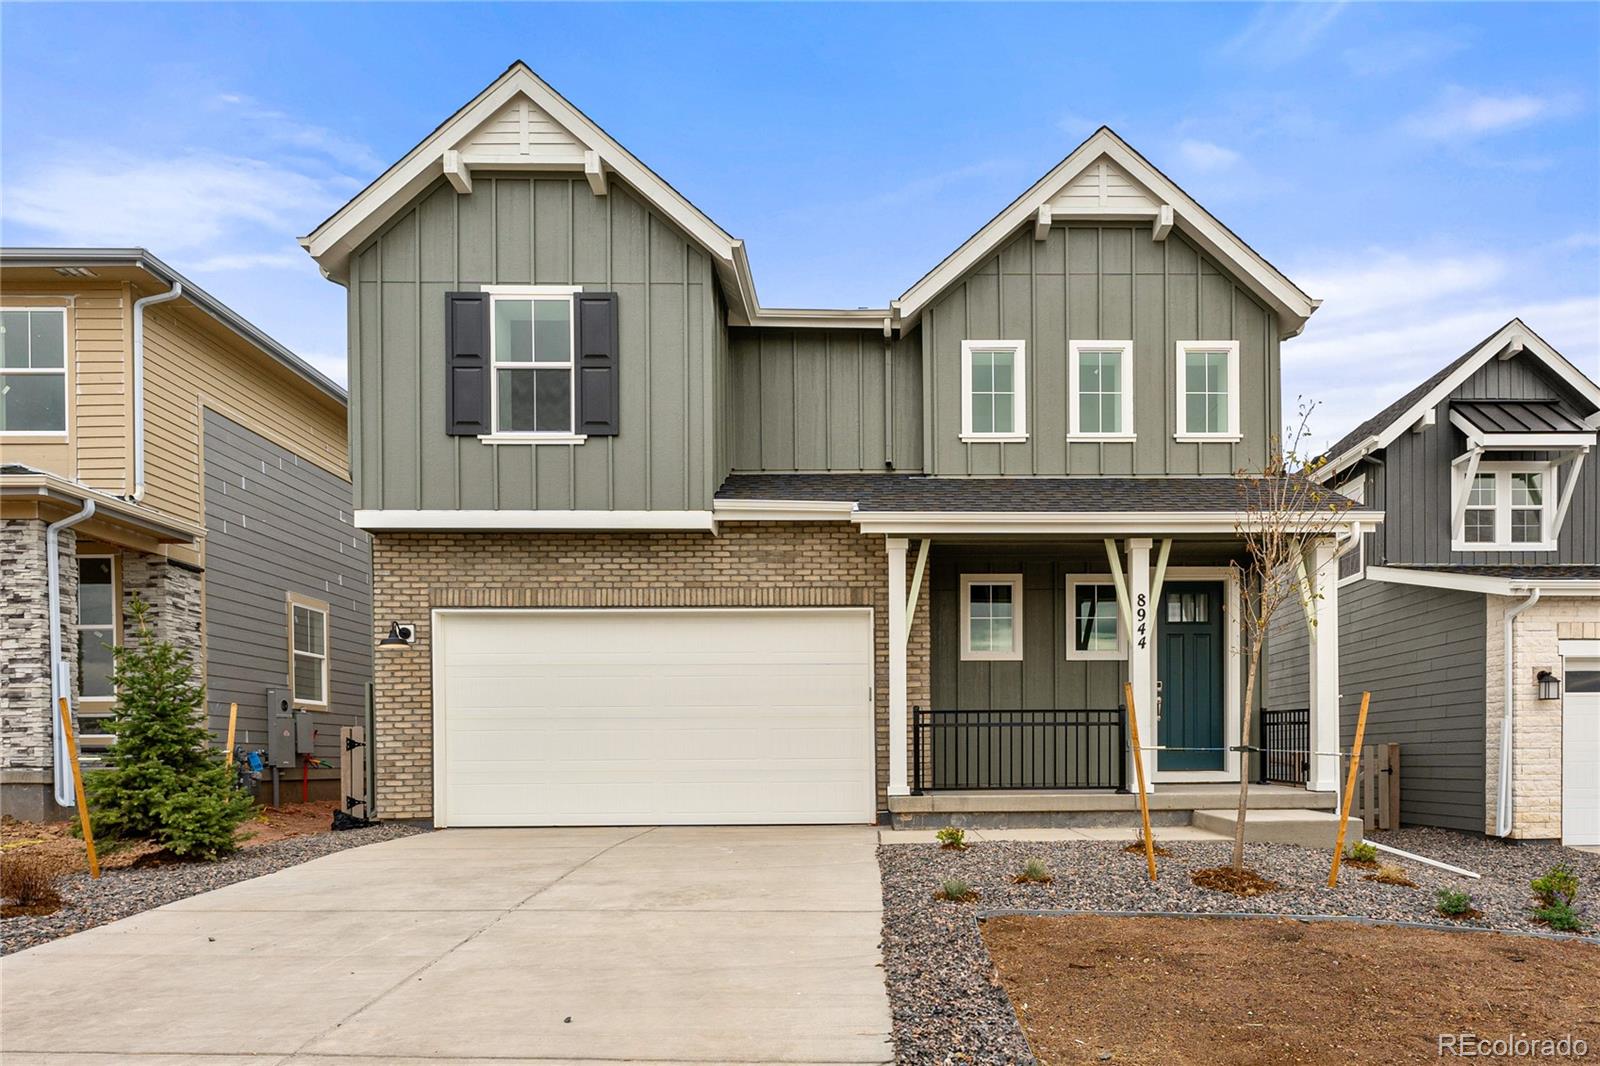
{"x": 173, "y": 592}
{"x": 26, "y": 733}
{"x": 763, "y": 564}
{"x": 1536, "y": 731}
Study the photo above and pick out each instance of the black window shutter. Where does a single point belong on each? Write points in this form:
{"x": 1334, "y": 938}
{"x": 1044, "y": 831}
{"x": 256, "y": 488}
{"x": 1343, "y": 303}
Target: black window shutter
{"x": 598, "y": 387}
{"x": 466, "y": 362}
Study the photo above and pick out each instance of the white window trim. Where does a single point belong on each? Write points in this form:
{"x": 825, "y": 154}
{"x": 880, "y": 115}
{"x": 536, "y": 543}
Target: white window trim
{"x": 64, "y": 372}
{"x": 1232, "y": 350}
{"x": 1019, "y": 381}
{"x": 1502, "y": 507}
{"x": 1015, "y": 581}
{"x": 116, "y": 624}
{"x": 533, "y": 292}
{"x": 1121, "y": 651}
{"x": 308, "y": 604}
{"x": 1074, "y": 350}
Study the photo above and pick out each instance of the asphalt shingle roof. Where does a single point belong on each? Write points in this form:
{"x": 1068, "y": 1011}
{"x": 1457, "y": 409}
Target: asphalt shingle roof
{"x": 1521, "y": 572}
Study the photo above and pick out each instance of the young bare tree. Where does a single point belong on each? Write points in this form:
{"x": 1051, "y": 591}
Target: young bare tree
{"x": 1283, "y": 513}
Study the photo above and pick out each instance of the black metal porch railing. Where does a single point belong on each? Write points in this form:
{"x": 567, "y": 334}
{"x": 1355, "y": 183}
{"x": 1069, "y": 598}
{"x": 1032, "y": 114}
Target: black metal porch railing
{"x": 1018, "y": 749}
{"x": 1285, "y": 746}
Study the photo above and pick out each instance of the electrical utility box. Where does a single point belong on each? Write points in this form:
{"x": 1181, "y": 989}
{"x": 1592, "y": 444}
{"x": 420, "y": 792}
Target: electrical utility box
{"x": 305, "y": 733}
{"x": 281, "y": 730}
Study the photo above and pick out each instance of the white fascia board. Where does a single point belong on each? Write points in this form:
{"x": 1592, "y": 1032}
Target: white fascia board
{"x": 1292, "y": 305}
{"x": 784, "y": 510}
{"x": 1493, "y": 586}
{"x": 814, "y": 318}
{"x": 492, "y": 521}
{"x": 1118, "y": 523}
{"x": 1532, "y": 344}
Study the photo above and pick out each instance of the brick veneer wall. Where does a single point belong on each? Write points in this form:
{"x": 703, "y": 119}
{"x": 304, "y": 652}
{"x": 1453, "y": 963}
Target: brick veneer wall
{"x": 1536, "y": 786}
{"x": 757, "y": 564}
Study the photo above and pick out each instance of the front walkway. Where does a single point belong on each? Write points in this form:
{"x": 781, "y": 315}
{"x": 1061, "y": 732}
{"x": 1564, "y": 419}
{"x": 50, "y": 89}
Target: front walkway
{"x": 707, "y": 944}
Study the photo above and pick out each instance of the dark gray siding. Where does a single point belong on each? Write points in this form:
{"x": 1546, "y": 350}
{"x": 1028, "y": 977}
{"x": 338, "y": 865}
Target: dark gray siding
{"x": 1420, "y": 652}
{"x": 1112, "y": 282}
{"x": 519, "y": 229}
{"x": 814, "y": 400}
{"x": 1412, "y": 486}
{"x": 276, "y": 524}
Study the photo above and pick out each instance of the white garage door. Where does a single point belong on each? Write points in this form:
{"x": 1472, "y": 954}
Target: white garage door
{"x": 619, "y": 717}
{"x": 1580, "y": 752}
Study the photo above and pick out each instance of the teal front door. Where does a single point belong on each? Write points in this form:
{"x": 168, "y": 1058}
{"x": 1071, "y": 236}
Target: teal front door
{"x": 1190, "y": 662}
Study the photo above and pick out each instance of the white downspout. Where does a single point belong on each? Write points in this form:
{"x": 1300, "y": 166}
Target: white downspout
{"x": 60, "y": 676}
{"x": 1502, "y": 811}
{"x": 138, "y": 380}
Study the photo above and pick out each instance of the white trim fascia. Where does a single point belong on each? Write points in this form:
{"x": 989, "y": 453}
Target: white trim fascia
{"x": 1293, "y": 306}
{"x": 1234, "y": 433}
{"x": 1019, "y": 392}
{"x": 1017, "y": 647}
{"x": 498, "y": 439}
{"x": 815, "y": 318}
{"x": 1095, "y": 523}
{"x": 1493, "y": 586}
{"x": 783, "y": 510}
{"x": 1578, "y": 649}
{"x": 394, "y": 520}
{"x": 1070, "y": 649}
{"x": 1515, "y": 329}
{"x": 1075, "y": 350}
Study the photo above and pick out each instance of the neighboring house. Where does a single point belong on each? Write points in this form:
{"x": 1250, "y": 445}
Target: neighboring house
{"x": 177, "y": 453}
{"x": 1491, "y": 538}
{"x": 673, "y": 556}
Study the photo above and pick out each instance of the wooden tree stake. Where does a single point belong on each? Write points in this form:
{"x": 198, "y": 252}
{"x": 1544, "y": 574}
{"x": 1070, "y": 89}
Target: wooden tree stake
{"x": 233, "y": 720}
{"x": 77, "y": 784}
{"x": 1138, "y": 766}
{"x": 1349, "y": 790}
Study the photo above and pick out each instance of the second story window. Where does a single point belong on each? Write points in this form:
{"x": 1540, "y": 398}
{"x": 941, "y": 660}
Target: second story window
{"x": 1508, "y": 508}
{"x": 532, "y": 354}
{"x": 33, "y": 371}
{"x": 994, "y": 394}
{"x": 1100, "y": 384}
{"x": 1208, "y": 390}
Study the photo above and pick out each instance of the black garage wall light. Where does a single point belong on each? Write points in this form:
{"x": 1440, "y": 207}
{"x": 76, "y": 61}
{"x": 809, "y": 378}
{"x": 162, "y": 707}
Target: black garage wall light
{"x": 400, "y": 634}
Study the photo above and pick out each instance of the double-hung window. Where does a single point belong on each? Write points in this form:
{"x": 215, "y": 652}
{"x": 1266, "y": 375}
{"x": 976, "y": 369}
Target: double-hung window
{"x": 1208, "y": 390}
{"x": 97, "y": 625}
{"x": 33, "y": 371}
{"x": 991, "y": 616}
{"x": 531, "y": 349}
{"x": 308, "y": 651}
{"x": 1100, "y": 384}
{"x": 1508, "y": 507}
{"x": 1096, "y": 633}
{"x": 994, "y": 391}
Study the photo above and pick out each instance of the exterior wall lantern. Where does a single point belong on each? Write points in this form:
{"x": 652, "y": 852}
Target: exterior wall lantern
{"x": 1549, "y": 685}
{"x": 400, "y": 634}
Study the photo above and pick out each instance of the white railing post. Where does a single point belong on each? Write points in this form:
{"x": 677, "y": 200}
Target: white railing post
{"x": 899, "y": 736}
{"x": 1324, "y": 672}
{"x": 1142, "y": 652}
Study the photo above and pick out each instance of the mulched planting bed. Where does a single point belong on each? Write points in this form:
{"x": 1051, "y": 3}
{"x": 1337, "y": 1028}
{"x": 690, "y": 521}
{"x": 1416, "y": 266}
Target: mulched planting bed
{"x": 949, "y": 1005}
{"x": 127, "y": 891}
{"x": 1220, "y": 992}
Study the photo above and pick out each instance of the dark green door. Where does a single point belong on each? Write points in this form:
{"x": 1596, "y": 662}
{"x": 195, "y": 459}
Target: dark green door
{"x": 1191, "y": 655}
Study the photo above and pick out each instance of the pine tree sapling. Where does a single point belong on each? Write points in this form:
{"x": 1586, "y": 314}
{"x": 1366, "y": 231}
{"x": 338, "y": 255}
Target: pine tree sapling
{"x": 165, "y": 784}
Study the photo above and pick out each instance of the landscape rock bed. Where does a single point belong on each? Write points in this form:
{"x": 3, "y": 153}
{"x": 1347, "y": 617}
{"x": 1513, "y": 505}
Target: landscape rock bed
{"x": 123, "y": 892}
{"x": 948, "y": 1005}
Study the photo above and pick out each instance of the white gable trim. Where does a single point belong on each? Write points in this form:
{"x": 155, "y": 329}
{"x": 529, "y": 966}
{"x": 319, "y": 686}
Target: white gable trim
{"x": 1292, "y": 305}
{"x": 1513, "y": 337}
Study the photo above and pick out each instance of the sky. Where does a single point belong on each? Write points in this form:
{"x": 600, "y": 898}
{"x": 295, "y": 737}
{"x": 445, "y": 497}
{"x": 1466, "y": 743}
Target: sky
{"x": 1427, "y": 170}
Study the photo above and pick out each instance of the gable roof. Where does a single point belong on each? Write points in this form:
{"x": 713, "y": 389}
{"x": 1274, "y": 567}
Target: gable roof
{"x": 1382, "y": 428}
{"x": 1104, "y": 178}
{"x": 519, "y": 122}
{"x": 141, "y": 259}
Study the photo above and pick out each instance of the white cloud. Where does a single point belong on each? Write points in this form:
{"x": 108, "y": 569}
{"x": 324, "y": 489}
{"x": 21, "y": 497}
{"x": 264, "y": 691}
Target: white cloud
{"x": 1279, "y": 33}
{"x": 923, "y": 188}
{"x": 260, "y": 122}
{"x": 286, "y": 260}
{"x": 1378, "y": 280}
{"x": 1463, "y": 114}
{"x": 1206, "y": 156}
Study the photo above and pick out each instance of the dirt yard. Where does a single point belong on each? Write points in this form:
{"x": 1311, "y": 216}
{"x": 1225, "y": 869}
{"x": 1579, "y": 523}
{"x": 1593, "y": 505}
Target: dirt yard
{"x": 1222, "y": 992}
{"x": 55, "y": 840}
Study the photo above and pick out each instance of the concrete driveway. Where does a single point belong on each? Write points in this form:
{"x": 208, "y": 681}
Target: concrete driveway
{"x": 479, "y": 945}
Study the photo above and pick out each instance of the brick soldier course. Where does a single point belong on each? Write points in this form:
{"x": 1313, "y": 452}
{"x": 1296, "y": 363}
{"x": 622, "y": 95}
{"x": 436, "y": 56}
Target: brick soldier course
{"x": 757, "y": 564}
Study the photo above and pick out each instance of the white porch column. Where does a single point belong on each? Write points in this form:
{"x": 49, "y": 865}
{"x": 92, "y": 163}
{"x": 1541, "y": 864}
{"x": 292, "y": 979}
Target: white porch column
{"x": 898, "y": 734}
{"x": 1142, "y": 654}
{"x": 1324, "y": 677}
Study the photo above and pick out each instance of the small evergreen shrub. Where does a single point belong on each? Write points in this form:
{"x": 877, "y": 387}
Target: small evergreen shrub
{"x": 955, "y": 890}
{"x": 1454, "y": 903}
{"x": 164, "y": 785}
{"x": 1560, "y": 917}
{"x": 952, "y": 838}
{"x": 1558, "y": 886}
{"x": 1361, "y": 852}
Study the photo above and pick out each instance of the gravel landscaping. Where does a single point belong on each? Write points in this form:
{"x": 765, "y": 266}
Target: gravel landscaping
{"x": 123, "y": 892}
{"x": 949, "y": 1007}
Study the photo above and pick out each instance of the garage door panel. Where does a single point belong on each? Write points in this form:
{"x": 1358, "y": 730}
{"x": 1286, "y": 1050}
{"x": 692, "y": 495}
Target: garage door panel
{"x": 655, "y": 717}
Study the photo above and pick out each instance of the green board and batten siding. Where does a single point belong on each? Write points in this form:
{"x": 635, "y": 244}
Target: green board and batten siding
{"x": 1112, "y": 282}
{"x": 548, "y": 231}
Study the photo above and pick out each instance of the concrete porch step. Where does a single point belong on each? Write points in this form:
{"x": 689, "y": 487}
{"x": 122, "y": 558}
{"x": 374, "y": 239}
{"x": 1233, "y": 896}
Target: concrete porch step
{"x": 1170, "y": 804}
{"x": 1309, "y": 829}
